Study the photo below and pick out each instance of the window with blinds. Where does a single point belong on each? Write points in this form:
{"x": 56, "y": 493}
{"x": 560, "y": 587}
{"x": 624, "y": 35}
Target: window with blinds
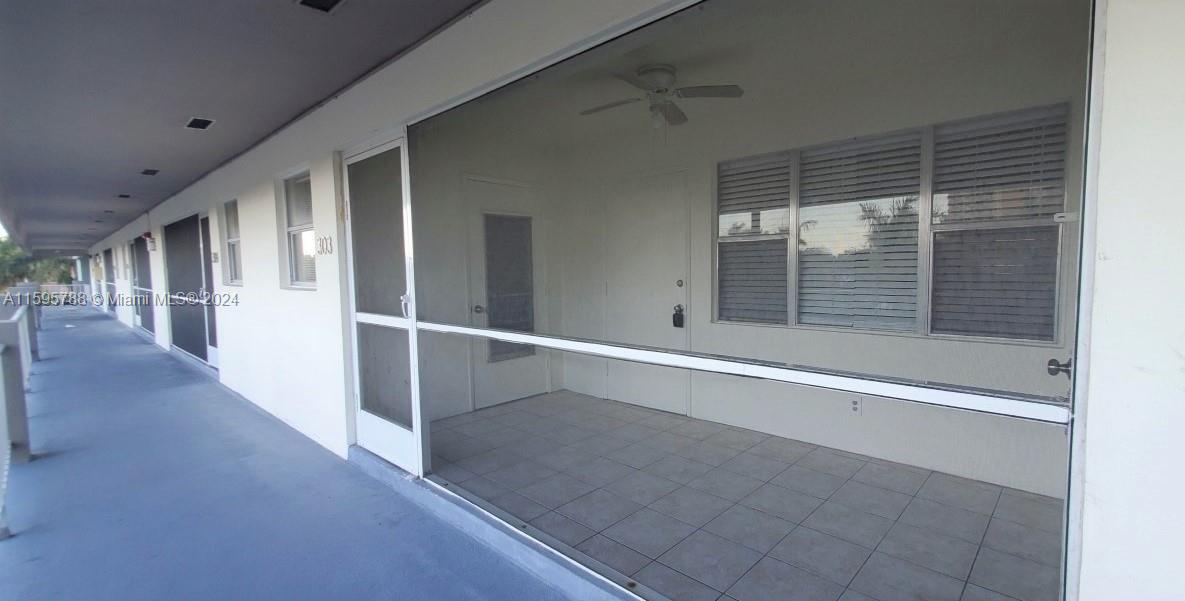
{"x": 998, "y": 182}
{"x": 858, "y": 233}
{"x": 234, "y": 256}
{"x": 995, "y": 185}
{"x": 753, "y": 204}
{"x": 298, "y": 211}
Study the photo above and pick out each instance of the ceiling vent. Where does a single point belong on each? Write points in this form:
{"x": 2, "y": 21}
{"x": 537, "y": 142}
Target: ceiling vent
{"x": 324, "y": 6}
{"x": 199, "y": 123}
{"x": 150, "y": 172}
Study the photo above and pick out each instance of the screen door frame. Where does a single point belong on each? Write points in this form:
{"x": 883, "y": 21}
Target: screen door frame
{"x": 395, "y": 443}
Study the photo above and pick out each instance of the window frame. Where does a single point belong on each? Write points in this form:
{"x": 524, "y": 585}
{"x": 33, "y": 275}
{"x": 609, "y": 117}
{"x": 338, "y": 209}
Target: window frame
{"x": 229, "y": 269}
{"x": 791, "y": 249}
{"x": 926, "y": 234}
{"x": 287, "y": 265}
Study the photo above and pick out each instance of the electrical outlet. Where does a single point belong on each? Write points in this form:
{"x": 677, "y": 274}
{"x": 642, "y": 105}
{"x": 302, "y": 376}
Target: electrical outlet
{"x": 858, "y": 405}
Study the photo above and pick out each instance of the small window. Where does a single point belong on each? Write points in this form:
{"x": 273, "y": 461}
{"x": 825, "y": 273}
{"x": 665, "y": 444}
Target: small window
{"x": 753, "y": 230}
{"x": 234, "y": 255}
{"x": 299, "y": 233}
{"x": 127, "y": 262}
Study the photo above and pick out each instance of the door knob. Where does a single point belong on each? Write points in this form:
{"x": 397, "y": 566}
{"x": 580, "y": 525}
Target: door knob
{"x": 479, "y": 309}
{"x": 1054, "y": 367}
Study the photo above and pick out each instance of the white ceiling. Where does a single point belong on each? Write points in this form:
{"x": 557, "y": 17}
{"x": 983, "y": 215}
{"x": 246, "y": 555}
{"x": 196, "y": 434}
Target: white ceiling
{"x": 92, "y": 93}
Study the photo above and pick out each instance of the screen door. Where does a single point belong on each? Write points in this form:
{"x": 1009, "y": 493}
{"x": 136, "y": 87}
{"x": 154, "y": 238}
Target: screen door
{"x": 142, "y": 285}
{"x": 387, "y": 418}
{"x": 186, "y": 280}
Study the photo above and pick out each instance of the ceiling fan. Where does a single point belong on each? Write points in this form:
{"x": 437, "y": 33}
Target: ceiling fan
{"x": 658, "y": 81}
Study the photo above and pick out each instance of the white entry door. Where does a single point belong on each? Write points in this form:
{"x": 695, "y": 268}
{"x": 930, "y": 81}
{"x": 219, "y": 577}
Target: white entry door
{"x": 506, "y": 289}
{"x": 646, "y": 268}
{"x": 387, "y": 417}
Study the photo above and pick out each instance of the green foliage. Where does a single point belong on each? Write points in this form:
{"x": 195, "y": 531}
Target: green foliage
{"x": 50, "y": 271}
{"x": 17, "y": 265}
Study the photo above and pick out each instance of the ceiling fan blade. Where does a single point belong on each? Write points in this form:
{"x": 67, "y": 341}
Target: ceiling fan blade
{"x": 710, "y": 92}
{"x": 671, "y": 112}
{"x": 605, "y": 107}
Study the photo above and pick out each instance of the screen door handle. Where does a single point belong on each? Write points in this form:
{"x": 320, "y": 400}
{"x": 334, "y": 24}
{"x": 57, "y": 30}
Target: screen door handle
{"x": 405, "y": 304}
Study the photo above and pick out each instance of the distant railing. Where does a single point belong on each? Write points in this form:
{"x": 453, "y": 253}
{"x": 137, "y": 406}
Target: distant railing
{"x": 18, "y": 343}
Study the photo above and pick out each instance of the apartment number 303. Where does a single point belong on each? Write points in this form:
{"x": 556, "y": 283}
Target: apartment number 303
{"x": 325, "y": 245}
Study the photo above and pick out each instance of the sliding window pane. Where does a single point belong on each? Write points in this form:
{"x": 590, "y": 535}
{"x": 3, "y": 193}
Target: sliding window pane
{"x": 858, "y": 264}
{"x": 304, "y": 257}
{"x": 996, "y": 282}
{"x": 858, "y": 233}
{"x": 752, "y": 281}
{"x": 1001, "y": 168}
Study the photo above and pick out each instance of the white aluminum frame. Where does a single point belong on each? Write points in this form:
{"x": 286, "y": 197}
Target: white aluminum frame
{"x": 137, "y": 316}
{"x": 290, "y": 229}
{"x": 1087, "y": 247}
{"x": 1054, "y": 413}
{"x": 392, "y": 441}
{"x": 1063, "y": 414}
{"x": 281, "y": 201}
{"x": 211, "y": 359}
{"x": 228, "y": 265}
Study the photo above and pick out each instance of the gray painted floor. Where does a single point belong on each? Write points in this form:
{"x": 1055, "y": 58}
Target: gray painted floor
{"x": 697, "y": 510}
{"x": 152, "y": 482}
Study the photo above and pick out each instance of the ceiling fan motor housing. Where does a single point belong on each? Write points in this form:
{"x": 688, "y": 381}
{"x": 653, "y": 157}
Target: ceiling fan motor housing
{"x": 659, "y": 77}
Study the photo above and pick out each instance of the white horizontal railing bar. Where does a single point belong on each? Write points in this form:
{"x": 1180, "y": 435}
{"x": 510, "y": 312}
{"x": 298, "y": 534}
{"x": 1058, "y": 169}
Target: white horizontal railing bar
{"x": 378, "y": 319}
{"x": 1035, "y": 410}
{"x": 16, "y": 315}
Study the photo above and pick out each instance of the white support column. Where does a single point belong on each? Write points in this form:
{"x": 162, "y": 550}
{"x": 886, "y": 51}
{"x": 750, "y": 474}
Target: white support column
{"x": 1127, "y": 476}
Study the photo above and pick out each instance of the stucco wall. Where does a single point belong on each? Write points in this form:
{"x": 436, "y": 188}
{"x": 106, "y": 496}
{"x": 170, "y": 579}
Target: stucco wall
{"x": 1131, "y": 487}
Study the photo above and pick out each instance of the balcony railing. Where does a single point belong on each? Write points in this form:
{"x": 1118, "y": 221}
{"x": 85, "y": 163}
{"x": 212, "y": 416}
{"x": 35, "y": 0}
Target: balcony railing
{"x": 18, "y": 349}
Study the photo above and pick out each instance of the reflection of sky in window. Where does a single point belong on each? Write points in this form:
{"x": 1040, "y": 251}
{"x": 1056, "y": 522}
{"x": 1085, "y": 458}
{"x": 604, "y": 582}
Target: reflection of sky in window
{"x": 769, "y": 222}
{"x": 775, "y": 221}
{"x": 307, "y": 243}
{"x": 838, "y": 228}
{"x": 999, "y": 203}
{"x": 735, "y": 224}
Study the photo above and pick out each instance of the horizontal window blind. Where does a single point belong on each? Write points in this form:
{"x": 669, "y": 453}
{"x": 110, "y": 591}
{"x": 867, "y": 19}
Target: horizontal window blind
{"x": 990, "y": 278}
{"x": 754, "y": 184}
{"x": 752, "y": 281}
{"x": 753, "y": 199}
{"x": 232, "y": 220}
{"x": 1008, "y": 166}
{"x": 995, "y": 282}
{"x": 857, "y": 233}
{"x": 753, "y": 195}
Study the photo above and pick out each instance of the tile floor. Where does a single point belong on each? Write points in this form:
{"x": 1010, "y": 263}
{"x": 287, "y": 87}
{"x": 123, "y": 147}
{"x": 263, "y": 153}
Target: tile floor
{"x": 698, "y": 510}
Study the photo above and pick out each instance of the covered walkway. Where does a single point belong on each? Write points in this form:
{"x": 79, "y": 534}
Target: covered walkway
{"x": 151, "y": 481}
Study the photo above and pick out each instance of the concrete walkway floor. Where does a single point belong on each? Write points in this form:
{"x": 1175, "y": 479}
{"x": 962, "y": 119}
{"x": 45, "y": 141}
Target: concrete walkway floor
{"x": 153, "y": 482}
